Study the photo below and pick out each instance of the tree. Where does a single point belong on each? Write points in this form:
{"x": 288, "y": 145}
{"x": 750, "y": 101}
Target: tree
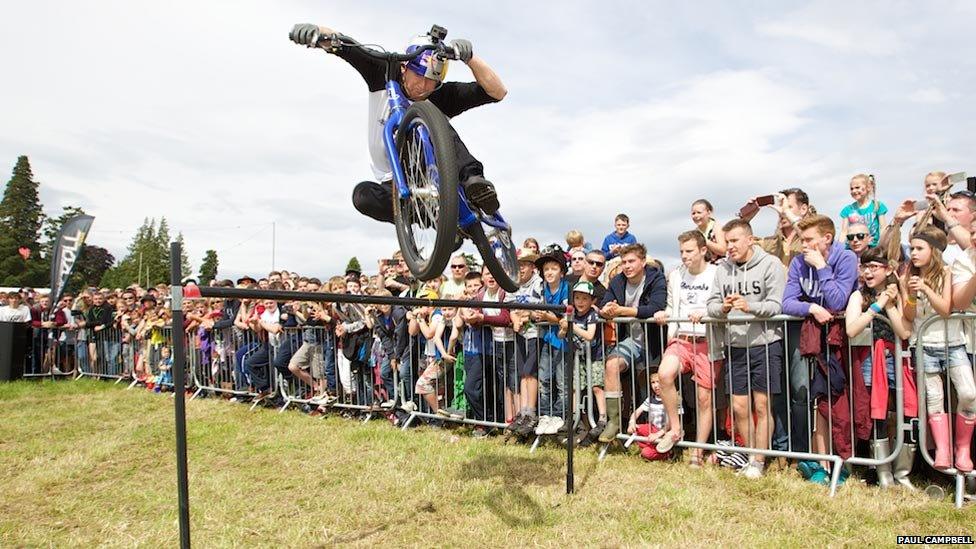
{"x": 52, "y": 227}
{"x": 91, "y": 266}
{"x": 146, "y": 260}
{"x": 21, "y": 218}
{"x": 472, "y": 262}
{"x": 185, "y": 267}
{"x": 208, "y": 269}
{"x": 353, "y": 265}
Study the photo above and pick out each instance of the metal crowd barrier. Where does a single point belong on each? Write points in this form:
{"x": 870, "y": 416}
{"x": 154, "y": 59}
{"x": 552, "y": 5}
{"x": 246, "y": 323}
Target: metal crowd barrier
{"x": 51, "y": 353}
{"x": 149, "y": 359}
{"x": 791, "y": 415}
{"x": 223, "y": 370}
{"x": 307, "y": 365}
{"x": 479, "y": 388}
{"x": 99, "y": 353}
{"x": 961, "y": 323}
{"x": 499, "y": 363}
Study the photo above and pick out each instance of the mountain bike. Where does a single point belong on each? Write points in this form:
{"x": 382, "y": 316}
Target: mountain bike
{"x": 430, "y": 209}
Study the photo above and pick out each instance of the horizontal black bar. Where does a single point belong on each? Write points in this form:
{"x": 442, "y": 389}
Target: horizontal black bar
{"x": 285, "y": 295}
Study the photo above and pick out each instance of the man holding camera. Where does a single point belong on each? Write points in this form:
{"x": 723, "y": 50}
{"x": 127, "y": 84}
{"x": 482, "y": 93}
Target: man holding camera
{"x": 792, "y": 205}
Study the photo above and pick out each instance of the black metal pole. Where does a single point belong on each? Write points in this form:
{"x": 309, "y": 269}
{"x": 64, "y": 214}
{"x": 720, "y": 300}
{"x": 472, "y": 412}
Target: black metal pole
{"x": 179, "y": 389}
{"x": 569, "y": 407}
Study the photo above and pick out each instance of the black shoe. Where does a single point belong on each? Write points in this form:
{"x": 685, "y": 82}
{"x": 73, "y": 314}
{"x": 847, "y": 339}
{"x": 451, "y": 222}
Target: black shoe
{"x": 481, "y": 193}
{"x": 515, "y": 424}
{"x": 581, "y": 432}
{"x": 594, "y": 433}
{"x": 528, "y": 425}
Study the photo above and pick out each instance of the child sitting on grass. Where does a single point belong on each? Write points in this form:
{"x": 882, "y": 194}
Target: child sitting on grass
{"x": 656, "y": 426}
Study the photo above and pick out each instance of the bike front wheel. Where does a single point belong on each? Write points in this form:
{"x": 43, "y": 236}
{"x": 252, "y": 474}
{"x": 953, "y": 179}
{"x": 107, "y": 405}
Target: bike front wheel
{"x": 426, "y": 220}
{"x": 498, "y": 252}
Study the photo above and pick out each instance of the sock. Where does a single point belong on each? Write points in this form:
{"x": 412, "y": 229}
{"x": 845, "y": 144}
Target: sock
{"x": 603, "y": 418}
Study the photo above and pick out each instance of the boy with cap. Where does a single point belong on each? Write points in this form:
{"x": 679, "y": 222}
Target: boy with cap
{"x": 588, "y": 337}
{"x": 552, "y": 357}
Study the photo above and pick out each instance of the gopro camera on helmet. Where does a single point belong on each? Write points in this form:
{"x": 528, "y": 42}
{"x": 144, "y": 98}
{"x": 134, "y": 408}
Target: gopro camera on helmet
{"x": 437, "y": 33}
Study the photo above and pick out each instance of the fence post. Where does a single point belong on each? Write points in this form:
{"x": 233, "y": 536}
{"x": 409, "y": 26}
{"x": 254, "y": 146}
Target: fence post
{"x": 569, "y": 407}
{"x": 179, "y": 391}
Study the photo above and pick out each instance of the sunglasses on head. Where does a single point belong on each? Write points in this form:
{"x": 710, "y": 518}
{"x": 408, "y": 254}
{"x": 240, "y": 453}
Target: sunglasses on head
{"x": 856, "y": 236}
{"x": 596, "y": 263}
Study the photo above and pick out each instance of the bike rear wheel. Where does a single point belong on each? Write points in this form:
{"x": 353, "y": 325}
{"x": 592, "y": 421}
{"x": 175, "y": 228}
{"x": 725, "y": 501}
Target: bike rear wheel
{"x": 498, "y": 252}
{"x": 426, "y": 220}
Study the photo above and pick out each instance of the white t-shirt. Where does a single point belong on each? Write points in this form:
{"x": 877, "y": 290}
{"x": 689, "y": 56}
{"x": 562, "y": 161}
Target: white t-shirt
{"x": 498, "y": 333}
{"x": 530, "y": 292}
{"x": 20, "y": 314}
{"x": 692, "y": 296}
{"x": 952, "y": 253}
{"x": 452, "y": 289}
{"x": 436, "y": 319}
{"x": 963, "y": 269}
{"x": 272, "y": 316}
{"x": 939, "y": 330}
{"x": 632, "y": 295}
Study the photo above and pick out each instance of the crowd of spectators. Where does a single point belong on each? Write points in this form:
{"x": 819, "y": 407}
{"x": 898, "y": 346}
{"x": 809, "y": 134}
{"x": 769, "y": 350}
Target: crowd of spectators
{"x": 838, "y": 274}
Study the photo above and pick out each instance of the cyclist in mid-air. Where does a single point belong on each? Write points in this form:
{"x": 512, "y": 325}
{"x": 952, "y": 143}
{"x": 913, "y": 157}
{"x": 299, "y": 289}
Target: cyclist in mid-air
{"x": 421, "y": 79}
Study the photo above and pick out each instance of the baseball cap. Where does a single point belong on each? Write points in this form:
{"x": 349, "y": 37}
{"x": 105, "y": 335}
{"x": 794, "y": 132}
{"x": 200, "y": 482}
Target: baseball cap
{"x": 427, "y": 293}
{"x": 583, "y": 287}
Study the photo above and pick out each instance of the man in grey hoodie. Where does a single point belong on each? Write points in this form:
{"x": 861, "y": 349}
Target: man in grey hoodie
{"x": 749, "y": 286}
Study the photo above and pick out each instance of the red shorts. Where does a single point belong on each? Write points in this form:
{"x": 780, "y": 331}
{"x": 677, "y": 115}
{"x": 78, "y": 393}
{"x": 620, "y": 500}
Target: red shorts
{"x": 693, "y": 357}
{"x": 649, "y": 450}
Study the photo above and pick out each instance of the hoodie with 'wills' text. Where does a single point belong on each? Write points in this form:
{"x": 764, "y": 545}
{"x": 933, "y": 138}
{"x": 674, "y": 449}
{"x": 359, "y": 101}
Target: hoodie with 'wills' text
{"x": 760, "y": 281}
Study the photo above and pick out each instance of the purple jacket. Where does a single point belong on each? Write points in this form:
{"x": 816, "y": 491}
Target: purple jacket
{"x": 829, "y": 287}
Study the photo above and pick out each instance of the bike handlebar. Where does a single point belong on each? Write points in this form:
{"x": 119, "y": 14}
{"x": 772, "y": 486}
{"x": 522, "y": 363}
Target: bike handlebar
{"x": 335, "y": 41}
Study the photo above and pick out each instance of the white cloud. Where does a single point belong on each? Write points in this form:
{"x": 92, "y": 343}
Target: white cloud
{"x": 207, "y": 114}
{"x": 927, "y": 95}
{"x": 849, "y": 28}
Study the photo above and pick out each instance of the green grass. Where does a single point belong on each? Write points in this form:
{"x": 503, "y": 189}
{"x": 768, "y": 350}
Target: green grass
{"x": 88, "y": 463}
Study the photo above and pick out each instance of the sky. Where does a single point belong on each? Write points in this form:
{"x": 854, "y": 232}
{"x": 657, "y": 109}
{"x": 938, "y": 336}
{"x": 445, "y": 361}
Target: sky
{"x": 205, "y": 113}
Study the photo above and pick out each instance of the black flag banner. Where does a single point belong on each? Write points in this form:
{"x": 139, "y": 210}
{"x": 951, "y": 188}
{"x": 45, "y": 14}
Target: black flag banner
{"x": 66, "y": 252}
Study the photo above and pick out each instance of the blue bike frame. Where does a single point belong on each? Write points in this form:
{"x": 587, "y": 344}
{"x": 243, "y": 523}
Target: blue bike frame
{"x": 398, "y": 107}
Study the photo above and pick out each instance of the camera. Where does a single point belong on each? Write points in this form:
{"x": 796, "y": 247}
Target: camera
{"x": 437, "y": 33}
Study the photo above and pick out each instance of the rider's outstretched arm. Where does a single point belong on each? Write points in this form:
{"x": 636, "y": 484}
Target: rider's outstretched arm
{"x": 487, "y": 78}
{"x": 372, "y": 70}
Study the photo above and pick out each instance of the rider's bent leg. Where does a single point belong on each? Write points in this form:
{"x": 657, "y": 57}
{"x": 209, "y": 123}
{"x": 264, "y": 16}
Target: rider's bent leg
{"x": 374, "y": 200}
{"x": 471, "y": 176}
